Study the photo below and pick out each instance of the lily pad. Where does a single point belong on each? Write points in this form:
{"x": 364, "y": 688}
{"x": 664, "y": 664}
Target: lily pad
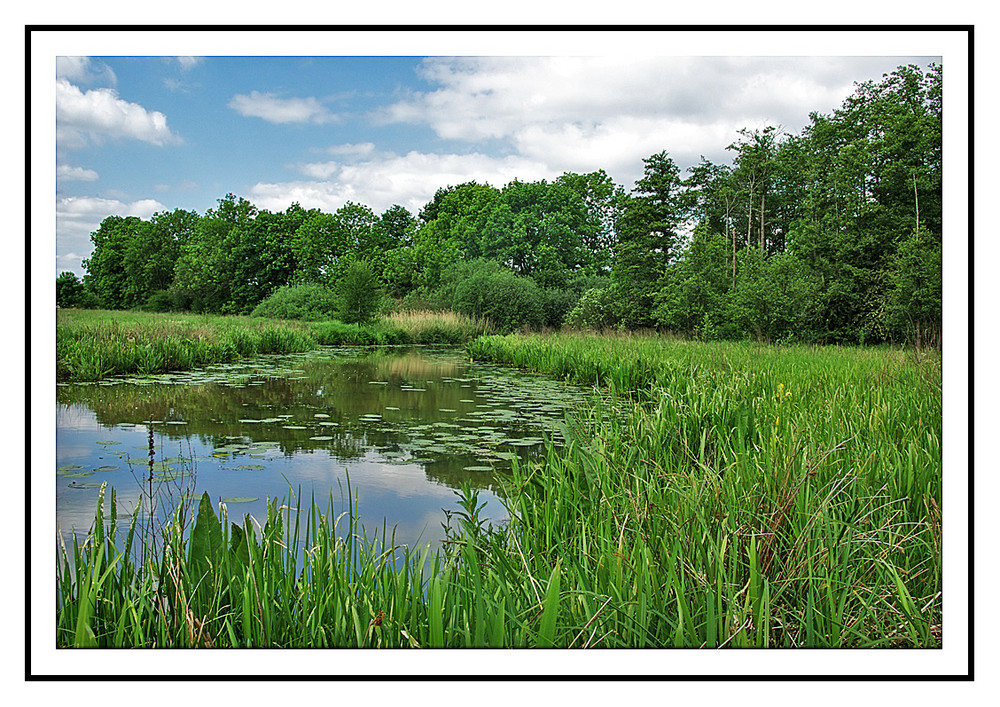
{"x": 107, "y": 441}
{"x": 321, "y": 438}
{"x": 84, "y": 485}
{"x": 240, "y": 499}
{"x": 106, "y": 468}
{"x": 76, "y": 474}
{"x": 251, "y": 467}
{"x": 477, "y": 467}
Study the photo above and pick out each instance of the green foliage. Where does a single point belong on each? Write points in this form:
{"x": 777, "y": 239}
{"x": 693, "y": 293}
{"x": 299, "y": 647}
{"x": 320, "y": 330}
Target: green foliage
{"x": 160, "y": 301}
{"x": 491, "y": 291}
{"x": 914, "y": 301}
{"x": 71, "y": 292}
{"x": 106, "y": 276}
{"x": 95, "y": 344}
{"x": 599, "y": 308}
{"x": 648, "y": 238}
{"x": 360, "y": 293}
{"x": 775, "y": 298}
{"x": 309, "y": 302}
{"x": 694, "y": 298}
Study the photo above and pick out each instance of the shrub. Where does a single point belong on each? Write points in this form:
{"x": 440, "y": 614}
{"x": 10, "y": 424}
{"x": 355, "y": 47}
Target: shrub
{"x": 556, "y": 304}
{"x": 360, "y": 293}
{"x": 508, "y": 301}
{"x": 159, "y": 301}
{"x": 599, "y": 308}
{"x": 311, "y": 302}
{"x": 71, "y": 292}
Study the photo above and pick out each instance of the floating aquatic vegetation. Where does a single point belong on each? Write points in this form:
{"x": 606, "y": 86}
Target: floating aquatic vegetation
{"x": 84, "y": 485}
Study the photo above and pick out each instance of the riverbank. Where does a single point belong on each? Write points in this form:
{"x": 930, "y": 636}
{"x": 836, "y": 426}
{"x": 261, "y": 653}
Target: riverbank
{"x": 94, "y": 344}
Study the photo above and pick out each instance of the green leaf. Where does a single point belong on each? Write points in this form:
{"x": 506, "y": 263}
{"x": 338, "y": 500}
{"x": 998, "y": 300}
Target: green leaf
{"x": 206, "y": 546}
{"x": 550, "y": 611}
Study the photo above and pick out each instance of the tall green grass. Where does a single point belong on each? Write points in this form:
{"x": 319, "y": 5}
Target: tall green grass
{"x": 754, "y": 495}
{"x": 94, "y": 344}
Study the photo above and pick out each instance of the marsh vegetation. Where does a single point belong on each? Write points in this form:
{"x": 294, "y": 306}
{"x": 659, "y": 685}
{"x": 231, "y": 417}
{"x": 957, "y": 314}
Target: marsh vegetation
{"x": 713, "y": 495}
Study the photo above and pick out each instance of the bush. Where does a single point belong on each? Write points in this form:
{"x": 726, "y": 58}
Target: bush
{"x": 556, "y": 304}
{"x": 360, "y": 293}
{"x": 159, "y": 301}
{"x": 508, "y": 301}
{"x": 71, "y": 292}
{"x": 311, "y": 302}
{"x": 599, "y": 308}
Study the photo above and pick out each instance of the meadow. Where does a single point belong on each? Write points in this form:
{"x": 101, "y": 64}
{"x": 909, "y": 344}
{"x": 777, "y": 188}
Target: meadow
{"x": 714, "y": 495}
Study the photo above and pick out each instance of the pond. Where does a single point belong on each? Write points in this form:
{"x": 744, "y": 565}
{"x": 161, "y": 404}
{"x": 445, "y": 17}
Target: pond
{"x": 401, "y": 428}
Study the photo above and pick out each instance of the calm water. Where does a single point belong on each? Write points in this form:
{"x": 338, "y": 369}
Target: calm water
{"x": 407, "y": 427}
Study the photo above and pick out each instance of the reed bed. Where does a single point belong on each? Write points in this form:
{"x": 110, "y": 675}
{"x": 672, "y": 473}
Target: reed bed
{"x": 95, "y": 344}
{"x": 445, "y": 327}
{"x": 753, "y": 495}
{"x": 749, "y": 497}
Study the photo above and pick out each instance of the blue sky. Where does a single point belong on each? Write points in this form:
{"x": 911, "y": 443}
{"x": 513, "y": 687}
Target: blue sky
{"x": 141, "y": 134}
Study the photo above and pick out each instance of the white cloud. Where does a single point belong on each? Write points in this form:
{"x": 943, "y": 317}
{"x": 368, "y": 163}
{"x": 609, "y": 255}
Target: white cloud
{"x": 585, "y": 113}
{"x": 92, "y": 116}
{"x": 319, "y": 170}
{"x": 273, "y": 109}
{"x": 352, "y": 149}
{"x": 189, "y": 62}
{"x": 83, "y": 70}
{"x": 409, "y": 180}
{"x": 69, "y": 173}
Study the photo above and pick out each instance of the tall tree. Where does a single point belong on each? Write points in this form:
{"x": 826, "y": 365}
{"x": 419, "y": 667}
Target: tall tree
{"x": 208, "y": 267}
{"x": 602, "y": 198}
{"x": 152, "y": 253}
{"x": 649, "y": 237}
{"x": 106, "y": 275}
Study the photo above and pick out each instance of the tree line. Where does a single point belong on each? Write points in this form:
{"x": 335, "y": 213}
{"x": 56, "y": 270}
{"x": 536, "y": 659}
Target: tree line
{"x": 831, "y": 235}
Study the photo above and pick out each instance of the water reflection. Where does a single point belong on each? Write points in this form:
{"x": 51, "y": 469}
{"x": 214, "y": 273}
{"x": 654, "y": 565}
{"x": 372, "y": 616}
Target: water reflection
{"x": 401, "y": 428}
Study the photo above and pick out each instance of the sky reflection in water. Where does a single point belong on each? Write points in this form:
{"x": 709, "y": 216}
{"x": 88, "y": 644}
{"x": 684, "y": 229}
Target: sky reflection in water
{"x": 404, "y": 428}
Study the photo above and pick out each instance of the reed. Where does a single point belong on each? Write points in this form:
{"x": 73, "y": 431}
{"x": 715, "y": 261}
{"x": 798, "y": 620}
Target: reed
{"x": 91, "y": 345}
{"x": 94, "y": 344}
{"x": 427, "y": 327}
